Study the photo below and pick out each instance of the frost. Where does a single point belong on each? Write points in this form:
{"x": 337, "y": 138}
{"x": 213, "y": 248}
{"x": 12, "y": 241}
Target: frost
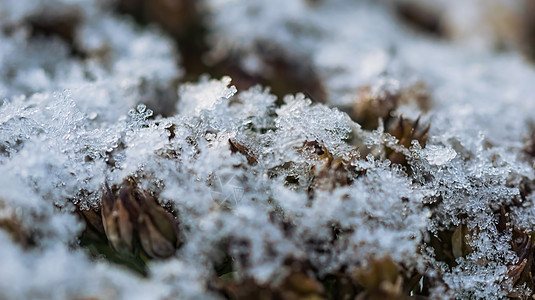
{"x": 109, "y": 75}
{"x": 434, "y": 183}
{"x": 439, "y": 155}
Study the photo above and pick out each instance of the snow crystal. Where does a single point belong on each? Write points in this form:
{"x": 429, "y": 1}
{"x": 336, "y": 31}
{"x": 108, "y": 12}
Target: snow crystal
{"x": 439, "y": 155}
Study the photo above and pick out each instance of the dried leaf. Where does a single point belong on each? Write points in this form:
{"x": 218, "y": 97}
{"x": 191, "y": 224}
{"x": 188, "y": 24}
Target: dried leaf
{"x": 459, "y": 242}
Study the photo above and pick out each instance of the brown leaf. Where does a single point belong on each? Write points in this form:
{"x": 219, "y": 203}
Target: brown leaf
{"x": 514, "y": 272}
{"x": 459, "y": 242}
{"x": 237, "y": 147}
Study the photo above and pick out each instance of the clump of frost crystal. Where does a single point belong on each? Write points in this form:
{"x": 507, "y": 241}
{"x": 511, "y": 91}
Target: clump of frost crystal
{"x": 473, "y": 165}
{"x": 104, "y": 61}
{"x": 266, "y": 192}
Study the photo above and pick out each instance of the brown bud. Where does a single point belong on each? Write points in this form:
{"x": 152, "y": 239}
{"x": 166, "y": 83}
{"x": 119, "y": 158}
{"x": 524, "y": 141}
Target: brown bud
{"x": 329, "y": 172}
{"x": 302, "y": 286}
{"x": 134, "y": 215}
{"x": 380, "y": 279}
{"x": 93, "y": 219}
{"x": 374, "y": 103}
{"x": 157, "y": 229}
{"x": 117, "y": 221}
{"x": 406, "y": 131}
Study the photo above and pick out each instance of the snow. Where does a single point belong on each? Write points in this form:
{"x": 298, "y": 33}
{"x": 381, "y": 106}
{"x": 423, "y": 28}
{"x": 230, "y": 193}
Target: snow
{"x": 247, "y": 176}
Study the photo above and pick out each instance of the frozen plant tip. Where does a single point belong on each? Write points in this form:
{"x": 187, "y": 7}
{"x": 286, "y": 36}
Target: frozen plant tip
{"x": 135, "y": 216}
{"x": 405, "y": 132}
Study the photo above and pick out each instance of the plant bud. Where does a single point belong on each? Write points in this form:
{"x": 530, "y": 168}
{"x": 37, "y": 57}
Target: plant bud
{"x": 117, "y": 221}
{"x": 157, "y": 229}
{"x": 134, "y": 215}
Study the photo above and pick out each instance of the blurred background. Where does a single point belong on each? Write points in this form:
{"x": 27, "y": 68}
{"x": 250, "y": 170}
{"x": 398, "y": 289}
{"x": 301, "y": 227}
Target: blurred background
{"x": 495, "y": 25}
{"x": 489, "y": 25}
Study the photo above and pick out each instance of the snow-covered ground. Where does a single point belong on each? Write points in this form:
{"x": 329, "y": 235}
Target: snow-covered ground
{"x": 263, "y": 180}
